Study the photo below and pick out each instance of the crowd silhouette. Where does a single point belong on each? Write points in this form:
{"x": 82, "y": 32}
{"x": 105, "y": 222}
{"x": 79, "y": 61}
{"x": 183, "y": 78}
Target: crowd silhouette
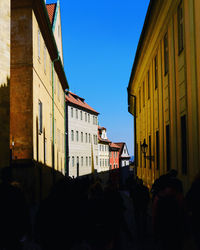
{"x": 86, "y": 214}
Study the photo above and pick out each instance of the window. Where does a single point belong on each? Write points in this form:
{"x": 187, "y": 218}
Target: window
{"x": 143, "y": 94}
{"x": 45, "y": 59}
{"x": 97, "y": 160}
{"x": 81, "y": 136}
{"x": 93, "y": 120}
{"x": 77, "y": 137}
{"x": 166, "y": 54}
{"x": 180, "y": 27}
{"x": 85, "y": 116}
{"x": 82, "y": 161}
{"x": 89, "y": 118}
{"x": 156, "y": 71}
{"x": 89, "y": 138}
{"x": 86, "y": 137}
{"x": 40, "y": 117}
{"x": 150, "y": 151}
{"x": 86, "y": 161}
{"x": 76, "y": 113}
{"x": 168, "y": 147}
{"x": 81, "y": 114}
{"x": 77, "y": 161}
{"x": 148, "y": 85}
{"x": 184, "y": 145}
{"x": 157, "y": 151}
{"x": 72, "y": 135}
{"x": 73, "y": 163}
{"x": 72, "y": 112}
{"x": 90, "y": 161}
{"x": 45, "y": 150}
{"x": 38, "y": 44}
{"x": 139, "y": 100}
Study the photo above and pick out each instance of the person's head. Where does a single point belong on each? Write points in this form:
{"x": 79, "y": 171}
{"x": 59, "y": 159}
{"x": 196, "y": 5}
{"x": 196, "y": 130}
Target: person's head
{"x": 173, "y": 173}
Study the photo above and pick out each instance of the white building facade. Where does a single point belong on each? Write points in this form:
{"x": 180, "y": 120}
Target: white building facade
{"x": 104, "y": 154}
{"x": 81, "y": 136}
{"x": 124, "y": 157}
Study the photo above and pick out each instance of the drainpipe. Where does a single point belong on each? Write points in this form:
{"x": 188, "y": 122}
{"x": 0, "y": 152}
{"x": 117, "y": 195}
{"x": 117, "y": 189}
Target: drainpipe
{"x": 53, "y": 134}
{"x": 133, "y": 112}
{"x": 66, "y": 138}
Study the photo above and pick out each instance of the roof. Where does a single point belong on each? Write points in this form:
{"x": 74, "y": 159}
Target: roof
{"x": 40, "y": 10}
{"x": 113, "y": 145}
{"x": 101, "y": 128}
{"x": 99, "y": 135}
{"x": 51, "y": 9}
{"x": 76, "y": 100}
{"x": 141, "y": 41}
{"x": 120, "y": 145}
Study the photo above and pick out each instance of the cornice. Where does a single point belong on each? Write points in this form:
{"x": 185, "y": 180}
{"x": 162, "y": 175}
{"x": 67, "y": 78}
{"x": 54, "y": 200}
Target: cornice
{"x": 155, "y": 25}
{"x": 39, "y": 8}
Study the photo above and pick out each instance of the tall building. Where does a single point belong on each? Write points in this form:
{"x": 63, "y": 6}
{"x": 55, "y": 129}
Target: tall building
{"x": 164, "y": 91}
{"x": 5, "y": 15}
{"x": 103, "y": 144}
{"x": 81, "y": 130}
{"x": 36, "y": 97}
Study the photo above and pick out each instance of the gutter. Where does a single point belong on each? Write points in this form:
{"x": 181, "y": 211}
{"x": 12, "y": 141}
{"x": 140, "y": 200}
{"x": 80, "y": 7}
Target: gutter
{"x": 64, "y": 81}
{"x": 141, "y": 40}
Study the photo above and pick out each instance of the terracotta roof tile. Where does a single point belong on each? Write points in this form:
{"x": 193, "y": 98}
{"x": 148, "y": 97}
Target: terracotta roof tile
{"x": 113, "y": 145}
{"x": 79, "y": 101}
{"x": 51, "y": 8}
{"x": 121, "y": 145}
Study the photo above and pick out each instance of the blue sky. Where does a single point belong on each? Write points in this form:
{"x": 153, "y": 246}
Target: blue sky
{"x": 99, "y": 43}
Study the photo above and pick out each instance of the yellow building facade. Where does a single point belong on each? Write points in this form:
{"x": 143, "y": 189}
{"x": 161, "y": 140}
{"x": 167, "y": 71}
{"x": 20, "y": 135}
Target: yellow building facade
{"x": 36, "y": 96}
{"x": 164, "y": 91}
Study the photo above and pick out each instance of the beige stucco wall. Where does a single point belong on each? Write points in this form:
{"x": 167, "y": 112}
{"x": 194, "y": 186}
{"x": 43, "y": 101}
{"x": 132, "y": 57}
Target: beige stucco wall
{"x": 4, "y": 41}
{"x": 58, "y": 33}
{"x": 42, "y": 90}
{"x": 4, "y": 81}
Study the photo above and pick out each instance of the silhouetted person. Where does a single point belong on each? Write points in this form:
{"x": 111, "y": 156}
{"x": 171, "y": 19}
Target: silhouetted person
{"x": 141, "y": 198}
{"x": 168, "y": 211}
{"x": 193, "y": 207}
{"x": 14, "y": 217}
{"x": 103, "y": 220}
{"x": 59, "y": 222}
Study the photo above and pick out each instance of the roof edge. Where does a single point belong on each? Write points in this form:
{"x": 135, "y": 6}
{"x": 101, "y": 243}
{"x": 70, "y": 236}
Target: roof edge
{"x": 141, "y": 40}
